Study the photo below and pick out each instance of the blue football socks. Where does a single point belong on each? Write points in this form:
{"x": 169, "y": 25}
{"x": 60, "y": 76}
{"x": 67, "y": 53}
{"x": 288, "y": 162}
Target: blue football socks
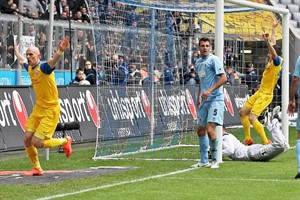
{"x": 298, "y": 154}
{"x": 214, "y": 149}
{"x": 204, "y": 144}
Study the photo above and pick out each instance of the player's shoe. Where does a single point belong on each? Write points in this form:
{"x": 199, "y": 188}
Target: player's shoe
{"x": 214, "y": 164}
{"x": 34, "y": 172}
{"x": 297, "y": 176}
{"x": 248, "y": 142}
{"x": 68, "y": 147}
{"x": 275, "y": 113}
{"x": 201, "y": 165}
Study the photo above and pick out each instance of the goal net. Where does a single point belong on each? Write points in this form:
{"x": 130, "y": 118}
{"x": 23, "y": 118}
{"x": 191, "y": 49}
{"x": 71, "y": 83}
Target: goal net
{"x": 145, "y": 51}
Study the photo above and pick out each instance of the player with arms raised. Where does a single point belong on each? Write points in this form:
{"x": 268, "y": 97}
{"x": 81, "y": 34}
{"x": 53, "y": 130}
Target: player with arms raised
{"x": 43, "y": 120}
{"x": 264, "y": 95}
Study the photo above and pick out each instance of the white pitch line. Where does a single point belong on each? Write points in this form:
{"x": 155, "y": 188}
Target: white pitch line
{"x": 116, "y": 184}
{"x": 154, "y": 177}
{"x": 292, "y": 180}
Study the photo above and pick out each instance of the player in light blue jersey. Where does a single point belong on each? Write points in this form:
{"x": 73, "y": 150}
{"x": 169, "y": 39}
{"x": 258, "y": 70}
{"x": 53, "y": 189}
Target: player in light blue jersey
{"x": 291, "y": 109}
{"x": 210, "y": 100}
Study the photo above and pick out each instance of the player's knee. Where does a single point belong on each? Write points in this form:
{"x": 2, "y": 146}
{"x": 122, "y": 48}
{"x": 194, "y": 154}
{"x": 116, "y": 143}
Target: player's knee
{"x": 37, "y": 143}
{"x": 27, "y": 140}
{"x": 252, "y": 117}
{"x": 201, "y": 131}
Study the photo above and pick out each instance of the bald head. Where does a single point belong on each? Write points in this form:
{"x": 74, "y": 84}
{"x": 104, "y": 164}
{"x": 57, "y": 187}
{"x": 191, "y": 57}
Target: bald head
{"x": 33, "y": 55}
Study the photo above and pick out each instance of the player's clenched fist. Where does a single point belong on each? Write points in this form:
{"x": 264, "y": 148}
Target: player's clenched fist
{"x": 64, "y": 43}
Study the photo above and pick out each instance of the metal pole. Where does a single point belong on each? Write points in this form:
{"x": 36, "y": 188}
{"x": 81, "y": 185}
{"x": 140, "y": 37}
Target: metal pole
{"x": 152, "y": 73}
{"x": 20, "y": 34}
{"x": 49, "y": 45}
{"x": 219, "y": 44}
{"x": 285, "y": 75}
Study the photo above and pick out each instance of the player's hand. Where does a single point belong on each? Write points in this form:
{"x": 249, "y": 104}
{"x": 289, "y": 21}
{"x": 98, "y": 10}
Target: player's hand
{"x": 63, "y": 45}
{"x": 291, "y": 108}
{"x": 266, "y": 36}
{"x": 17, "y": 48}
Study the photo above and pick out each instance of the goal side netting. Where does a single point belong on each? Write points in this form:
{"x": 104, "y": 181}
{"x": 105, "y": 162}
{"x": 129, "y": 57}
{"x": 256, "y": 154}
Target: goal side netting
{"x": 147, "y": 86}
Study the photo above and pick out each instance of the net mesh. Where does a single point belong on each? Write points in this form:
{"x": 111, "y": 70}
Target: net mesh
{"x": 146, "y": 95}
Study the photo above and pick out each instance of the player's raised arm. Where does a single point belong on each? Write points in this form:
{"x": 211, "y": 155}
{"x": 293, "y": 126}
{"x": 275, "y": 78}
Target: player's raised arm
{"x": 21, "y": 59}
{"x": 63, "y": 45}
{"x": 272, "y": 51}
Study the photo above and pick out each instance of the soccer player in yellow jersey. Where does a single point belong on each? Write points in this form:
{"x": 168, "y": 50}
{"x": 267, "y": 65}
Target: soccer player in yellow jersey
{"x": 264, "y": 95}
{"x": 43, "y": 120}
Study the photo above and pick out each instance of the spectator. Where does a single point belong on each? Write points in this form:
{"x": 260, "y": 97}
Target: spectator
{"x": 157, "y": 76}
{"x": 101, "y": 76}
{"x": 230, "y": 59}
{"x": 80, "y": 78}
{"x": 60, "y": 4}
{"x": 69, "y": 13}
{"x": 42, "y": 40}
{"x": 90, "y": 73}
{"x": 93, "y": 13}
{"x": 31, "y": 30}
{"x": 190, "y": 76}
{"x": 144, "y": 72}
{"x": 232, "y": 76}
{"x": 177, "y": 22}
{"x": 33, "y": 6}
{"x": 251, "y": 79}
{"x": 25, "y": 11}
{"x": 135, "y": 76}
{"x": 120, "y": 12}
{"x": 168, "y": 76}
{"x": 123, "y": 70}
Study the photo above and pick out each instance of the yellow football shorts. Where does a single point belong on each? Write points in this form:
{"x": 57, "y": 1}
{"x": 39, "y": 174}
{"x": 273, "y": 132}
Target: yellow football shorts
{"x": 258, "y": 102}
{"x": 43, "y": 121}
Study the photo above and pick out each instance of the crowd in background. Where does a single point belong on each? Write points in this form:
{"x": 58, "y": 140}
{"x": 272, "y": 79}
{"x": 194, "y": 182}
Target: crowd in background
{"x": 124, "y": 56}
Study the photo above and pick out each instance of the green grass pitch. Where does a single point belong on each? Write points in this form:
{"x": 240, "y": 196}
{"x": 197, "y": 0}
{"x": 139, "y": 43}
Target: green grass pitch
{"x": 154, "y": 179}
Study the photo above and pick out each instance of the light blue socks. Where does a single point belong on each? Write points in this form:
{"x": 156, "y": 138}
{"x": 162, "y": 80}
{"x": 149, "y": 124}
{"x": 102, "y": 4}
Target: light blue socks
{"x": 298, "y": 154}
{"x": 204, "y": 145}
{"x": 214, "y": 149}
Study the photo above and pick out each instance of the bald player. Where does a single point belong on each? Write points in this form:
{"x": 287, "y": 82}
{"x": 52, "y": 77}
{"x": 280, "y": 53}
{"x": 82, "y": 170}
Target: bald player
{"x": 43, "y": 120}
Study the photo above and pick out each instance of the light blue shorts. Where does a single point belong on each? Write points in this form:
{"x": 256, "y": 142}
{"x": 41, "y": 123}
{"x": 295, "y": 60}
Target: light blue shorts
{"x": 298, "y": 121}
{"x": 211, "y": 111}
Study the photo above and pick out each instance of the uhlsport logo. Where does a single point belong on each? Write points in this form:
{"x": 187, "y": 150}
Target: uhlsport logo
{"x": 93, "y": 109}
{"x": 20, "y": 109}
{"x": 146, "y": 103}
{"x": 228, "y": 102}
{"x": 191, "y": 103}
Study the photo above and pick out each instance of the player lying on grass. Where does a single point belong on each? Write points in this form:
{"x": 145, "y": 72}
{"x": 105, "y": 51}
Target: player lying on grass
{"x": 234, "y": 149}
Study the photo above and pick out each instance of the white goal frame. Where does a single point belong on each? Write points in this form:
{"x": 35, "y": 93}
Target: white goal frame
{"x": 219, "y": 44}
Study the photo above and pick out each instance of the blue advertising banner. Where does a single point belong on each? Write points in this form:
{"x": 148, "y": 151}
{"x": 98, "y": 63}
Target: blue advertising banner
{"x": 9, "y": 77}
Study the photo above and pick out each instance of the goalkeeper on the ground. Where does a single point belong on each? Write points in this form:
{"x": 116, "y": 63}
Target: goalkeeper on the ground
{"x": 234, "y": 149}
